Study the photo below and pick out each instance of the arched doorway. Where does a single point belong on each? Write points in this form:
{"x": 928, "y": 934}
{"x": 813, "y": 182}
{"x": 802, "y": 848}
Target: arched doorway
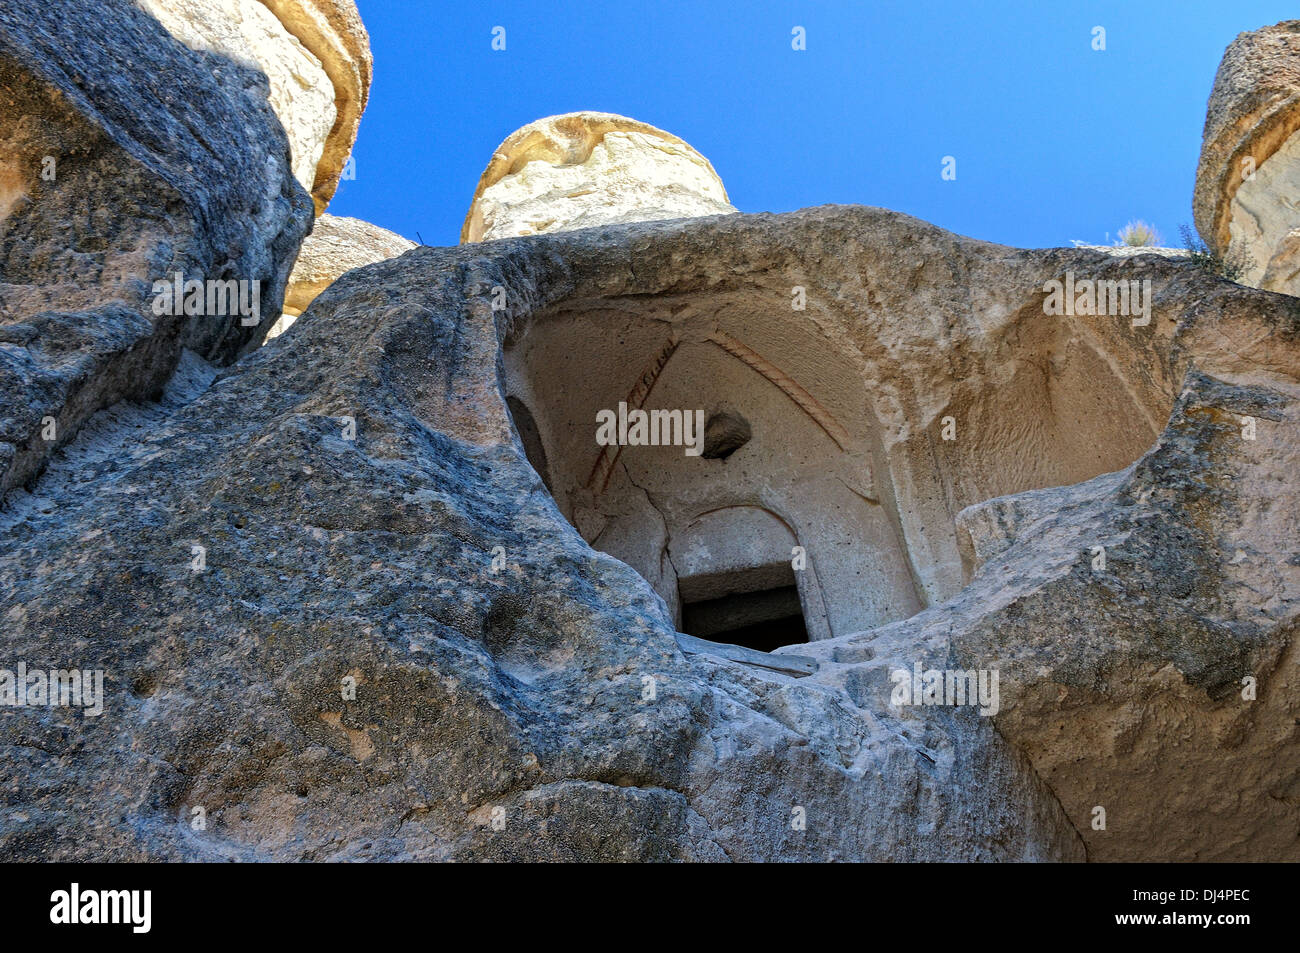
{"x": 742, "y": 577}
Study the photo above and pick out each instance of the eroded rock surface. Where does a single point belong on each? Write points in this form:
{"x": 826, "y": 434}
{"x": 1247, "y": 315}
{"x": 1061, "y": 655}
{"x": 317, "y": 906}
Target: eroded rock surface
{"x": 332, "y": 31}
{"x": 336, "y": 245}
{"x": 1249, "y": 172}
{"x": 315, "y": 55}
{"x": 584, "y": 169}
{"x": 521, "y": 695}
{"x": 127, "y": 158}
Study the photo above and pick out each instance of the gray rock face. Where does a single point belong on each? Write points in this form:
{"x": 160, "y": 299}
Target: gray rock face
{"x": 127, "y": 158}
{"x": 335, "y": 245}
{"x": 340, "y": 616}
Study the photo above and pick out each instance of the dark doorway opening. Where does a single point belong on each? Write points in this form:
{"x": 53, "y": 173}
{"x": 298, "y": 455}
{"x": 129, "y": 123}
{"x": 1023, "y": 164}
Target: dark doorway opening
{"x": 763, "y": 620}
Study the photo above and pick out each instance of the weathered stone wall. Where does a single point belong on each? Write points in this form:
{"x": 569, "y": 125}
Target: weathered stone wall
{"x": 522, "y": 686}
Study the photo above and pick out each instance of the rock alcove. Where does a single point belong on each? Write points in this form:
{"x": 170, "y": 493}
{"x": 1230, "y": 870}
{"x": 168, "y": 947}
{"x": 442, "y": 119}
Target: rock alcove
{"x": 806, "y": 517}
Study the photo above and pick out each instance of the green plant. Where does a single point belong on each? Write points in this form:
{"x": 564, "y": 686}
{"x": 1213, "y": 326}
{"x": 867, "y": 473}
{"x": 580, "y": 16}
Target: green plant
{"x": 1232, "y": 265}
{"x": 1139, "y": 234}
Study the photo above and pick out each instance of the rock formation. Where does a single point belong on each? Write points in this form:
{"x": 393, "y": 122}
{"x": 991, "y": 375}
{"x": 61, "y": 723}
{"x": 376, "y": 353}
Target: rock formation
{"x": 380, "y": 591}
{"x": 587, "y": 168}
{"x": 500, "y": 664}
{"x": 128, "y": 158}
{"x": 1249, "y": 172}
{"x": 315, "y": 57}
{"x": 331, "y": 30}
{"x": 335, "y": 246}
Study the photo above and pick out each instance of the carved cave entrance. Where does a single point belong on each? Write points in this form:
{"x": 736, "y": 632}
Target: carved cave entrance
{"x": 795, "y": 498}
{"x": 775, "y": 534}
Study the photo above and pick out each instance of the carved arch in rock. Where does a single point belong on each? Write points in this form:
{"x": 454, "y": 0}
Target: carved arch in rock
{"x": 801, "y": 461}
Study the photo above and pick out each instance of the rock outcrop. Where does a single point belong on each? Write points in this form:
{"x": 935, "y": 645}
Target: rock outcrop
{"x": 828, "y": 535}
{"x": 396, "y": 646}
{"x": 584, "y": 169}
{"x": 332, "y": 31}
{"x": 315, "y": 55}
{"x": 129, "y": 158}
{"x": 1249, "y": 171}
{"x": 335, "y": 246}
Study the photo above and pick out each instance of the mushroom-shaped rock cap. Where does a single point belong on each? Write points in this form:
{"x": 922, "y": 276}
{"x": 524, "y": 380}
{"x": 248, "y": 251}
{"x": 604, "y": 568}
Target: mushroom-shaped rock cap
{"x": 588, "y": 168}
{"x": 1250, "y": 127}
{"x": 315, "y": 55}
{"x": 333, "y": 32}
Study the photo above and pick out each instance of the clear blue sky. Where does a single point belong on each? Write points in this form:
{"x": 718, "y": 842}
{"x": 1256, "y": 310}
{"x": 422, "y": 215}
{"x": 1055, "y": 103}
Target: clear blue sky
{"x": 1054, "y": 141}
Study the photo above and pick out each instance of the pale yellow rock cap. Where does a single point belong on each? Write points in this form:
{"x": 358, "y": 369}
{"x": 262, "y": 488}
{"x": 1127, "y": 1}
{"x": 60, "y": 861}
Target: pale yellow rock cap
{"x": 333, "y": 32}
{"x": 584, "y": 169}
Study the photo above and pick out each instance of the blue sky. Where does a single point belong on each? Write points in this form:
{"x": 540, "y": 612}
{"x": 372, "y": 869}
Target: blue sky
{"x": 1053, "y": 141}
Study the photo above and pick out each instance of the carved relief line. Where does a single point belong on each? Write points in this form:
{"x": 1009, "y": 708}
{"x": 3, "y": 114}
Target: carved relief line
{"x": 603, "y": 469}
{"x": 607, "y": 460}
{"x": 807, "y": 403}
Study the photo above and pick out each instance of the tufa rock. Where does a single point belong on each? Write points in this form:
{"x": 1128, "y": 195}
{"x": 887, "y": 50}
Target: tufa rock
{"x": 315, "y": 55}
{"x": 333, "y": 32}
{"x": 128, "y": 158}
{"x": 398, "y": 647}
{"x": 1249, "y": 170}
{"x": 588, "y": 168}
{"x": 335, "y": 246}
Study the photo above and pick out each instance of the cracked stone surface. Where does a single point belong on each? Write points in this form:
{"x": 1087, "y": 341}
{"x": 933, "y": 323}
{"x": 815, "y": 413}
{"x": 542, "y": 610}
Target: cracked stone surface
{"x": 521, "y": 694}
